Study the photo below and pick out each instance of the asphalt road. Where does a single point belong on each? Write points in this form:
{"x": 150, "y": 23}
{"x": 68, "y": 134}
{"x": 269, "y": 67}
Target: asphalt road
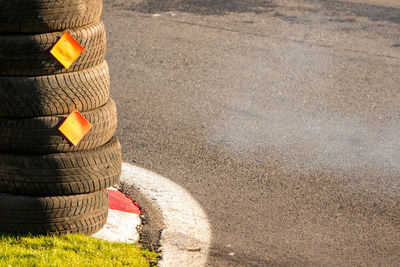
{"x": 280, "y": 117}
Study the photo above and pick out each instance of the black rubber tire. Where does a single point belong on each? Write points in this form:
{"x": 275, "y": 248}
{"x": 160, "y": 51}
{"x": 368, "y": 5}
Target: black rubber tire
{"x": 85, "y": 213}
{"x": 29, "y": 54}
{"x": 61, "y": 173}
{"x": 41, "y": 134}
{"x": 27, "y": 96}
{"x": 47, "y": 15}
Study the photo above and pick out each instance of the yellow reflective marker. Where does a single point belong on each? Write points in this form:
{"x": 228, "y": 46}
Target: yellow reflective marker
{"x": 75, "y": 127}
{"x": 66, "y": 50}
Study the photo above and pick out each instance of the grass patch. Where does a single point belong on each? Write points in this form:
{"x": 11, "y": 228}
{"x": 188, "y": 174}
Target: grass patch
{"x": 71, "y": 250}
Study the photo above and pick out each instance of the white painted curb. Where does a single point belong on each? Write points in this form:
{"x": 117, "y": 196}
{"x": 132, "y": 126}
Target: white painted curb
{"x": 185, "y": 239}
{"x": 120, "y": 227}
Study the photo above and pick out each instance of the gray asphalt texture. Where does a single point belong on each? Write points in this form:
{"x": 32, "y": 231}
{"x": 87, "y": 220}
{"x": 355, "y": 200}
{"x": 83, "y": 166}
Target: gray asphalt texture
{"x": 280, "y": 117}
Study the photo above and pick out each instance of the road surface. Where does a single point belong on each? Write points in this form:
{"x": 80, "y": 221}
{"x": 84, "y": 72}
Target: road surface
{"x": 280, "y": 117}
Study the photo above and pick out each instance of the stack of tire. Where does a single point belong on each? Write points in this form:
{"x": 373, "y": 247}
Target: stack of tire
{"x": 48, "y": 185}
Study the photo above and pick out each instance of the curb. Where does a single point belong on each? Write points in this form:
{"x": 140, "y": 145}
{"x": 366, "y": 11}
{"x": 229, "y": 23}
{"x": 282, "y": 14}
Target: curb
{"x": 122, "y": 221}
{"x": 173, "y": 216}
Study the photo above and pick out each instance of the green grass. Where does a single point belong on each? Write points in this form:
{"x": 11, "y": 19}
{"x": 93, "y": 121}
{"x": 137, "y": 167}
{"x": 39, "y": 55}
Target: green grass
{"x": 70, "y": 250}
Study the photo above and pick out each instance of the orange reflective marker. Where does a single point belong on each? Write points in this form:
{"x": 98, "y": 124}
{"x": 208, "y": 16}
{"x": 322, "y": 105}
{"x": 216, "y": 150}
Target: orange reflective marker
{"x": 66, "y": 50}
{"x": 75, "y": 127}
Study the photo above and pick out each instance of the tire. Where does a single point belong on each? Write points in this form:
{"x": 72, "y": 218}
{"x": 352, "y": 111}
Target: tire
{"x": 86, "y": 213}
{"x": 61, "y": 173}
{"x": 47, "y": 15}
{"x": 29, "y": 54}
{"x": 41, "y": 134}
{"x": 57, "y": 94}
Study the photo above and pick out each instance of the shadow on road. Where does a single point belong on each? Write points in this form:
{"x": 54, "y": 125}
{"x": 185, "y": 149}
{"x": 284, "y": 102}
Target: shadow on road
{"x": 221, "y": 7}
{"x": 370, "y": 11}
{"x": 203, "y": 7}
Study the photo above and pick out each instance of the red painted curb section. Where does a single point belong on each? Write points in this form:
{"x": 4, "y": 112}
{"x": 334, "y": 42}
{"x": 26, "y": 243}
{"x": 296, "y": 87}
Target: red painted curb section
{"x": 121, "y": 202}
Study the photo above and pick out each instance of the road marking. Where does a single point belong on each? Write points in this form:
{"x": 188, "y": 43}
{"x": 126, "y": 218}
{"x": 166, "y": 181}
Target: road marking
{"x": 185, "y": 239}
